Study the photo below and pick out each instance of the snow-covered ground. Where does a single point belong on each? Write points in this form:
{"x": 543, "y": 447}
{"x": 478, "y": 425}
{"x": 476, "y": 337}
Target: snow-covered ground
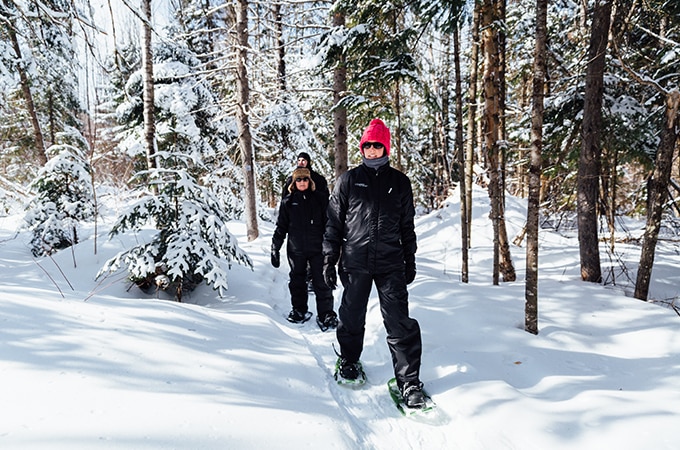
{"x": 95, "y": 364}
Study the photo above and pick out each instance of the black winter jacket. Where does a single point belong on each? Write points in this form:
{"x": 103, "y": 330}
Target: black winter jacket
{"x": 302, "y": 216}
{"x": 370, "y": 218}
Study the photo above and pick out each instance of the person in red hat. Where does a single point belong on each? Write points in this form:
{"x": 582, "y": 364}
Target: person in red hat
{"x": 370, "y": 233}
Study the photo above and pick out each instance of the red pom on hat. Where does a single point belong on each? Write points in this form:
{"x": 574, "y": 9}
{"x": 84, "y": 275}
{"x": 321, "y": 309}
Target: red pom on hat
{"x": 376, "y": 131}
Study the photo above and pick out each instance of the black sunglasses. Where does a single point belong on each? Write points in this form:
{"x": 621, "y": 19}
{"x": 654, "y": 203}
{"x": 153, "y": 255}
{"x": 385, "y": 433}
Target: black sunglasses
{"x": 375, "y": 145}
{"x": 297, "y": 180}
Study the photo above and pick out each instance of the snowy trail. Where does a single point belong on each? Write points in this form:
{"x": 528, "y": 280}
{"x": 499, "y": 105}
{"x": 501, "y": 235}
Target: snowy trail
{"x": 358, "y": 406}
{"x": 104, "y": 366}
{"x": 371, "y": 419}
{"x": 365, "y": 414}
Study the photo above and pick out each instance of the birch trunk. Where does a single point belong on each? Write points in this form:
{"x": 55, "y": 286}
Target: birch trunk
{"x": 490, "y": 120}
{"x": 281, "y": 47}
{"x": 148, "y": 91}
{"x": 531, "y": 286}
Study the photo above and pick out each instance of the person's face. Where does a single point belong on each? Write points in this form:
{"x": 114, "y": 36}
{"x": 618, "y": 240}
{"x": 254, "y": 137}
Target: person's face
{"x": 373, "y": 150}
{"x": 302, "y": 183}
{"x": 302, "y": 162}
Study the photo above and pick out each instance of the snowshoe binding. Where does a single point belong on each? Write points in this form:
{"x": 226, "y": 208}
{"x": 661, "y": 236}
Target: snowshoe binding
{"x": 328, "y": 321}
{"x": 411, "y": 399}
{"x": 296, "y": 316}
{"x": 349, "y": 373}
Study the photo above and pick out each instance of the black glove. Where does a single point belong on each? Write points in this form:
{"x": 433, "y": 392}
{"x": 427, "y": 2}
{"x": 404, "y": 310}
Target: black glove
{"x": 410, "y": 269}
{"x": 329, "y": 275}
{"x": 276, "y": 257}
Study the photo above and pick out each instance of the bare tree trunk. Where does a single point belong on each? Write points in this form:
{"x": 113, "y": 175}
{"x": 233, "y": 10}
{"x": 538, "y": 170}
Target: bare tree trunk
{"x": 281, "y": 47}
{"x": 245, "y": 139}
{"x": 28, "y": 97}
{"x": 505, "y": 257}
{"x": 464, "y": 218}
{"x": 148, "y": 92}
{"x": 396, "y": 134}
{"x": 531, "y": 287}
{"x": 502, "y": 134}
{"x": 491, "y": 14}
{"x": 472, "y": 118}
{"x": 657, "y": 193}
{"x": 589, "y": 161}
{"x": 608, "y": 196}
{"x": 92, "y": 139}
{"x": 490, "y": 118}
{"x": 443, "y": 170}
{"x": 339, "y": 111}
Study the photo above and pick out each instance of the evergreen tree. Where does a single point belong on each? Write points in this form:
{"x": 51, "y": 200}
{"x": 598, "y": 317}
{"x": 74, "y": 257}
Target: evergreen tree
{"x": 628, "y": 136}
{"x": 64, "y": 196}
{"x": 192, "y": 243}
{"x": 377, "y": 50}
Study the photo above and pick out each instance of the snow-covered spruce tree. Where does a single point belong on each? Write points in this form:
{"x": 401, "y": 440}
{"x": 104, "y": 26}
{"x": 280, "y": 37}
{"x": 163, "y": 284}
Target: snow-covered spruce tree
{"x": 192, "y": 243}
{"x": 64, "y": 196}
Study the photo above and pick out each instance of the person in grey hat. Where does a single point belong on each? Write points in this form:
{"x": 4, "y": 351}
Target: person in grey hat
{"x": 304, "y": 160}
{"x": 321, "y": 190}
{"x": 302, "y": 219}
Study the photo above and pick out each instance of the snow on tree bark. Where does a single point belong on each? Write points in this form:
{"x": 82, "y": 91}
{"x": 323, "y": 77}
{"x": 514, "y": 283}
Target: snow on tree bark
{"x": 148, "y": 93}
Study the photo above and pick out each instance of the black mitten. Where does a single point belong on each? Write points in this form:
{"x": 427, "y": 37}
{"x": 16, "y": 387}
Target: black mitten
{"x": 410, "y": 269}
{"x": 276, "y": 256}
{"x": 330, "y": 276}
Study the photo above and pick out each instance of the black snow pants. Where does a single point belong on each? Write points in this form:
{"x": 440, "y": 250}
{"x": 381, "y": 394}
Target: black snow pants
{"x": 298, "y": 283}
{"x": 403, "y": 332}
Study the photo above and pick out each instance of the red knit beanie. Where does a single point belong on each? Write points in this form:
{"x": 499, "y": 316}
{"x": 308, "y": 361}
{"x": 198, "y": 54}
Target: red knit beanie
{"x": 376, "y": 132}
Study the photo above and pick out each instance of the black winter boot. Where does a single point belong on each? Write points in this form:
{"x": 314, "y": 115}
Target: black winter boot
{"x": 412, "y": 392}
{"x": 327, "y": 321}
{"x": 296, "y": 316}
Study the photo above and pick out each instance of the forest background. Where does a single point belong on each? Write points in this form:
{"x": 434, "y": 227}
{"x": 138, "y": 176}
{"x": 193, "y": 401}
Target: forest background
{"x": 198, "y": 109}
